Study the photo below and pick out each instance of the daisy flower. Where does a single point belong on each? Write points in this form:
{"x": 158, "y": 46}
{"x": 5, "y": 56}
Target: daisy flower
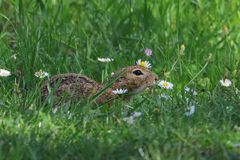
{"x": 191, "y": 111}
{"x": 104, "y": 59}
{"x": 148, "y": 52}
{"x": 141, "y": 152}
{"x": 136, "y": 114}
{"x": 119, "y": 91}
{"x": 145, "y": 64}
{"x": 4, "y": 73}
{"x": 129, "y": 120}
{"x": 194, "y": 93}
{"x": 226, "y": 82}
{"x": 165, "y": 96}
{"x": 165, "y": 84}
{"x": 54, "y": 110}
{"x": 41, "y": 74}
{"x": 187, "y": 89}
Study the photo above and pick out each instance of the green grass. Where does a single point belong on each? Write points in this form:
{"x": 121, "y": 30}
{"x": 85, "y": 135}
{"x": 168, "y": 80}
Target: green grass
{"x": 68, "y": 36}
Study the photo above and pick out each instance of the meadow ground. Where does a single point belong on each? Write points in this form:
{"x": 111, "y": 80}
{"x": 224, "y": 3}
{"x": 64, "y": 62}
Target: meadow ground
{"x": 195, "y": 44}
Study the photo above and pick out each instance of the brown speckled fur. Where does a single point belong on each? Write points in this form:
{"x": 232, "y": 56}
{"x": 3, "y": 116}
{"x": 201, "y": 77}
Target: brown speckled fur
{"x": 80, "y": 87}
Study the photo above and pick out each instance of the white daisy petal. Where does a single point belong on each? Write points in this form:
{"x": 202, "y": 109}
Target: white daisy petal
{"x": 136, "y": 114}
{"x": 165, "y": 96}
{"x": 165, "y": 84}
{"x": 129, "y": 120}
{"x": 14, "y": 56}
{"x": 105, "y": 59}
{"x": 191, "y": 111}
{"x": 54, "y": 110}
{"x": 226, "y": 82}
{"x": 120, "y": 91}
{"x": 40, "y": 124}
{"x": 4, "y": 73}
{"x": 195, "y": 93}
{"x": 187, "y": 89}
{"x": 145, "y": 64}
{"x": 141, "y": 152}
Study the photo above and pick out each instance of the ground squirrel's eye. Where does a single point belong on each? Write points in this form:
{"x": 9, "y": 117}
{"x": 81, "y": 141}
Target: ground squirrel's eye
{"x": 137, "y": 72}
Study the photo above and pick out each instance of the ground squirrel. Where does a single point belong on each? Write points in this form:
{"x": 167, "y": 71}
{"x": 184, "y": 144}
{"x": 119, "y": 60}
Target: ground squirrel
{"x": 79, "y": 87}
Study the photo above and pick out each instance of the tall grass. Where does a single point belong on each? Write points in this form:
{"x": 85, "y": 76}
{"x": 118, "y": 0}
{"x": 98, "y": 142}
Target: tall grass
{"x": 68, "y": 36}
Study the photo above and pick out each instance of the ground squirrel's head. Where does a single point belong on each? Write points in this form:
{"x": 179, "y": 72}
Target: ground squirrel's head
{"x": 135, "y": 79}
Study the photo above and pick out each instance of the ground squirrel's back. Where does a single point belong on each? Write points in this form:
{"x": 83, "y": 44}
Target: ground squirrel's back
{"x": 70, "y": 83}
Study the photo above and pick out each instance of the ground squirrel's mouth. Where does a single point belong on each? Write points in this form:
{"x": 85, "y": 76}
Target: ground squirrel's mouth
{"x": 138, "y": 90}
{"x": 142, "y": 88}
{"x": 153, "y": 84}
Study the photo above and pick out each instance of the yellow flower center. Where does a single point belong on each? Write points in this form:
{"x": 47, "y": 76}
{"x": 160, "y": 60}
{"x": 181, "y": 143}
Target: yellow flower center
{"x": 142, "y": 63}
{"x": 165, "y": 84}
